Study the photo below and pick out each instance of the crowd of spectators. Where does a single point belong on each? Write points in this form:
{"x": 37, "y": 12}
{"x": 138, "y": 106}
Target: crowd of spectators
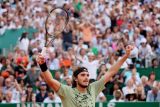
{"x": 95, "y": 38}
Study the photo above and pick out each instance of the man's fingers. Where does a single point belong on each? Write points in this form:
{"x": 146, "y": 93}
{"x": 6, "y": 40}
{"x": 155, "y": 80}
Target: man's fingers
{"x": 40, "y": 59}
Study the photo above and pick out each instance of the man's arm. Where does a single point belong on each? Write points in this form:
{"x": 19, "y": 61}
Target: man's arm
{"x": 115, "y": 68}
{"x": 46, "y": 75}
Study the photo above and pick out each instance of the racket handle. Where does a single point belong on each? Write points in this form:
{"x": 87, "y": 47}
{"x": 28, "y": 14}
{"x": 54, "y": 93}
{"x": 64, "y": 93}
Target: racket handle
{"x": 44, "y": 50}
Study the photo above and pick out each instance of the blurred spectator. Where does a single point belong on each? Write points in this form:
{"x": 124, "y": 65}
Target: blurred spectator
{"x": 118, "y": 96}
{"x": 140, "y": 93}
{"x": 151, "y": 79}
{"x": 145, "y": 52}
{"x": 101, "y": 71}
{"x": 129, "y": 88}
{"x": 54, "y": 61}
{"x": 116, "y": 86}
{"x": 92, "y": 65}
{"x": 8, "y": 85}
{"x": 57, "y": 76}
{"x": 131, "y": 72}
{"x": 131, "y": 97}
{"x": 145, "y": 84}
{"x": 33, "y": 74}
{"x": 68, "y": 81}
{"x": 8, "y": 98}
{"x": 101, "y": 97}
{"x": 52, "y": 98}
{"x": 43, "y": 92}
{"x": 23, "y": 42}
{"x": 29, "y": 93}
{"x": 153, "y": 95}
{"x": 67, "y": 38}
{"x": 155, "y": 63}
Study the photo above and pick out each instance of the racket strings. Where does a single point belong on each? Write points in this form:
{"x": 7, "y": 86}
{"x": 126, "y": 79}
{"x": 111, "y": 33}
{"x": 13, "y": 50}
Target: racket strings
{"x": 55, "y": 24}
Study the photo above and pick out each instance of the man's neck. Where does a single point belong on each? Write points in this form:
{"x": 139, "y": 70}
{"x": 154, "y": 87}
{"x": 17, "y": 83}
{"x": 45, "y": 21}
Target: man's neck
{"x": 81, "y": 89}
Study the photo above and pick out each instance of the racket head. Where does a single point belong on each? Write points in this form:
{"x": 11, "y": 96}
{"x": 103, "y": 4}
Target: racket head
{"x": 56, "y": 22}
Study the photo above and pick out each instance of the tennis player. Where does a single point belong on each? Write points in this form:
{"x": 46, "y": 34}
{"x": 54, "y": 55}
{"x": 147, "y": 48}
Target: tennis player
{"x": 82, "y": 94}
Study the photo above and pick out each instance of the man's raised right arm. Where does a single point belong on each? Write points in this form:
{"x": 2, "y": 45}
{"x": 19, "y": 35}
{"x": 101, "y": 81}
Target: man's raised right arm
{"x": 46, "y": 75}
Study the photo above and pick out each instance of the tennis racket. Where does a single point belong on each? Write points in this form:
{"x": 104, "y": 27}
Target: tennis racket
{"x": 55, "y": 23}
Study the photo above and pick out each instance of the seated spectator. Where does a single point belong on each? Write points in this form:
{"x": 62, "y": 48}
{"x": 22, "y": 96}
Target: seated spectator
{"x": 118, "y": 96}
{"x": 54, "y": 61}
{"x": 52, "y": 98}
{"x": 43, "y": 92}
{"x": 145, "y": 84}
{"x": 116, "y": 86}
{"x": 68, "y": 81}
{"x": 57, "y": 76}
{"x": 153, "y": 95}
{"x": 140, "y": 93}
{"x": 129, "y": 88}
{"x": 131, "y": 97}
{"x": 131, "y": 72}
{"x": 8, "y": 86}
{"x": 151, "y": 79}
{"x": 101, "y": 97}
{"x": 145, "y": 52}
{"x": 155, "y": 63}
{"x": 32, "y": 75}
{"x": 8, "y": 98}
{"x": 29, "y": 93}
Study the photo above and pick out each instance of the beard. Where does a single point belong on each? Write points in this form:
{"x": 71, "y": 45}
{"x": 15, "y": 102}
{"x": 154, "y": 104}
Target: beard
{"x": 81, "y": 85}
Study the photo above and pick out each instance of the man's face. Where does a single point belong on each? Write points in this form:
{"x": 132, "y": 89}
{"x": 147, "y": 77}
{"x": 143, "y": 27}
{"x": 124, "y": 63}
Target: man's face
{"x": 43, "y": 87}
{"x": 155, "y": 90}
{"x": 8, "y": 82}
{"x": 51, "y": 95}
{"x": 83, "y": 79}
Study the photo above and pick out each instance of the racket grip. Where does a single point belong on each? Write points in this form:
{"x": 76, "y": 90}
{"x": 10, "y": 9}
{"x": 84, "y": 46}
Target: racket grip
{"x": 44, "y": 50}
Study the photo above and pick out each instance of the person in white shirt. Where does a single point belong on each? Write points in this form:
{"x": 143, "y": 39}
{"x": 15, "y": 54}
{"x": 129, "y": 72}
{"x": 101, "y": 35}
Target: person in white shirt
{"x": 8, "y": 98}
{"x": 117, "y": 96}
{"x": 101, "y": 97}
{"x": 23, "y": 42}
{"x": 129, "y": 88}
{"x": 52, "y": 98}
{"x": 145, "y": 52}
{"x": 92, "y": 65}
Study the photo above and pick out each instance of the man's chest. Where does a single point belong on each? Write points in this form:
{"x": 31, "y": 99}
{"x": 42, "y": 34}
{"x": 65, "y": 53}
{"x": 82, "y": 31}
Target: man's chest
{"x": 83, "y": 100}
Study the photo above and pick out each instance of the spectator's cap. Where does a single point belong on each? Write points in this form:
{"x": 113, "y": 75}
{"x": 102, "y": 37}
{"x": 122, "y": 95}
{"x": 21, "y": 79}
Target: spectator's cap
{"x": 125, "y": 31}
{"x": 42, "y": 84}
{"x": 143, "y": 40}
{"x": 79, "y": 70}
{"x": 90, "y": 54}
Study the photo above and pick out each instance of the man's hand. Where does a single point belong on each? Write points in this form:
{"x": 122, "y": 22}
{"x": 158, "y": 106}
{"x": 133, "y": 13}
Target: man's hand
{"x": 40, "y": 59}
{"x": 128, "y": 49}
